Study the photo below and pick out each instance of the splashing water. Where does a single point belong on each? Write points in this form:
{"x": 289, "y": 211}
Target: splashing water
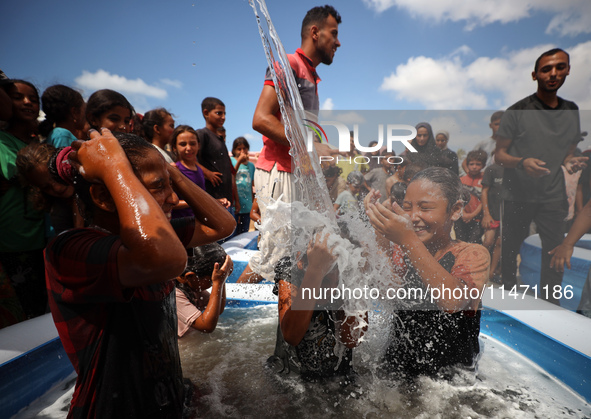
{"x": 292, "y": 225}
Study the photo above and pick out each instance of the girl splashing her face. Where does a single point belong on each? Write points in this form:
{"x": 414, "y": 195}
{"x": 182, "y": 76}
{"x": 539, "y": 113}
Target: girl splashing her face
{"x": 440, "y": 327}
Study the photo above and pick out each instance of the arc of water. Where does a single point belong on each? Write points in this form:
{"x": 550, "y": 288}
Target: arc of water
{"x": 310, "y": 183}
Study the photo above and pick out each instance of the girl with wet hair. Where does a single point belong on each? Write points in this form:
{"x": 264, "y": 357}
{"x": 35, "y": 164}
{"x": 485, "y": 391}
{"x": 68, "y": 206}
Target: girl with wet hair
{"x": 158, "y": 128}
{"x": 65, "y": 117}
{"x": 208, "y": 267}
{"x": 109, "y": 109}
{"x": 109, "y": 285}
{"x": 439, "y": 327}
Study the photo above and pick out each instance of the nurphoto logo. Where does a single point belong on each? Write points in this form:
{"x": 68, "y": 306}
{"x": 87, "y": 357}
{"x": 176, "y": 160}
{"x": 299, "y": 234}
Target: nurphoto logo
{"x": 393, "y": 133}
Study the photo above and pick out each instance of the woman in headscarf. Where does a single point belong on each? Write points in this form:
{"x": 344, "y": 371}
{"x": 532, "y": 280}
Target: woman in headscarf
{"x": 427, "y": 152}
{"x": 450, "y": 158}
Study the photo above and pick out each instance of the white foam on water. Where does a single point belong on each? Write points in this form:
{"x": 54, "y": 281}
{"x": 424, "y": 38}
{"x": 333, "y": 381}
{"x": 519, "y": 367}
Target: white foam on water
{"x": 228, "y": 366}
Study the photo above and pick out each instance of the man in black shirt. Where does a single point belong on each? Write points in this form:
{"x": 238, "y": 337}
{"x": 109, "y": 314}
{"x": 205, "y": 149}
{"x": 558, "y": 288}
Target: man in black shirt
{"x": 537, "y": 135}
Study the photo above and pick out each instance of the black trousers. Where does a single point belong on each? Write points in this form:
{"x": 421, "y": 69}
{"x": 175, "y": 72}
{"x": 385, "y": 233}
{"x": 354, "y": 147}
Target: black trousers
{"x": 517, "y": 217}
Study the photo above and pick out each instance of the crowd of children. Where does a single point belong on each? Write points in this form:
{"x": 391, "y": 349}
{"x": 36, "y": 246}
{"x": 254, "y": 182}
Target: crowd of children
{"x": 133, "y": 209}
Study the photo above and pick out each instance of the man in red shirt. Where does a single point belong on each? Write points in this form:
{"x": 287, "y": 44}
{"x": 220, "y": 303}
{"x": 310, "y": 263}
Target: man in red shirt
{"x": 273, "y": 175}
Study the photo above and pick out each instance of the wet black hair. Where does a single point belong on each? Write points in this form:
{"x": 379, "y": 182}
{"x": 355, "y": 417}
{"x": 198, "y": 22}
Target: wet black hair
{"x": 103, "y": 100}
{"x": 210, "y": 103}
{"x": 135, "y": 148}
{"x": 448, "y": 182}
{"x": 151, "y": 118}
{"x": 548, "y": 53}
{"x": 202, "y": 259}
{"x": 317, "y": 16}
{"x": 238, "y": 142}
{"x": 57, "y": 101}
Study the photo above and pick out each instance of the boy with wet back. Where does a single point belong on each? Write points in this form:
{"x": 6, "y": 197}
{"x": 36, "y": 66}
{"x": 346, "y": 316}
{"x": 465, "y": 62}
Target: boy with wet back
{"x": 109, "y": 285}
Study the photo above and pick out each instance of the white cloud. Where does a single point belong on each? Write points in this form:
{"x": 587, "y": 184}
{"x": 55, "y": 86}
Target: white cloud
{"x": 327, "y": 105}
{"x": 572, "y": 17}
{"x": 448, "y": 83}
{"x": 104, "y": 80}
{"x": 174, "y": 83}
{"x": 250, "y": 137}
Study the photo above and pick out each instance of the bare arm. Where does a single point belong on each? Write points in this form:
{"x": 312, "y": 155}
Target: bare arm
{"x": 532, "y": 166}
{"x": 151, "y": 251}
{"x": 265, "y": 118}
{"x": 295, "y": 323}
{"x": 486, "y": 217}
{"x": 397, "y": 227}
{"x": 212, "y": 221}
{"x": 561, "y": 255}
{"x": 208, "y": 320}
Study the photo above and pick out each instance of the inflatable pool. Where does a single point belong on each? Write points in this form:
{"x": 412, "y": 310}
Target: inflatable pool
{"x": 32, "y": 359}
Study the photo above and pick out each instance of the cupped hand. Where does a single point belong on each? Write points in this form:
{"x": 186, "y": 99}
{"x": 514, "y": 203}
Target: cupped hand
{"x": 535, "y": 167}
{"x": 394, "y": 224}
{"x": 371, "y": 198}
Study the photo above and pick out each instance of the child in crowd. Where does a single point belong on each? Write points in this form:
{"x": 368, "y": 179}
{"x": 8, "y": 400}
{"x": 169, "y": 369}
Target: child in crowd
{"x": 36, "y": 164}
{"x": 449, "y": 156}
{"x": 488, "y": 145}
{"x": 109, "y": 109}
{"x": 352, "y": 161}
{"x": 208, "y": 267}
{"x": 468, "y": 227}
{"x": 373, "y": 162}
{"x": 110, "y": 288}
{"x": 244, "y": 183}
{"x": 397, "y": 192}
{"x": 376, "y": 178}
{"x": 398, "y": 174}
{"x": 65, "y": 117}
{"x": 334, "y": 182}
{"x": 213, "y": 156}
{"x": 22, "y": 227}
{"x": 158, "y": 127}
{"x": 347, "y": 201}
{"x": 432, "y": 334}
{"x": 492, "y": 199}
{"x": 312, "y": 340}
{"x": 185, "y": 146}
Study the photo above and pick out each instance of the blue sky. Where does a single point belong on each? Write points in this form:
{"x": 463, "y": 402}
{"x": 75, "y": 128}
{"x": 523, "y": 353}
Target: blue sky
{"x": 395, "y": 54}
